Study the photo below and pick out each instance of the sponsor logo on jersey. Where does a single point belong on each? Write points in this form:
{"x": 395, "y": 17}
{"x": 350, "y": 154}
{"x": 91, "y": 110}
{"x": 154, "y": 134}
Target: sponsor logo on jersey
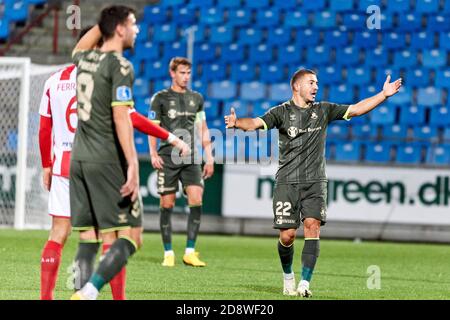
{"x": 314, "y": 115}
{"x": 123, "y": 93}
{"x": 292, "y": 117}
{"x": 172, "y": 113}
{"x": 292, "y": 132}
{"x": 123, "y": 218}
{"x": 172, "y": 103}
{"x": 192, "y": 103}
{"x": 152, "y": 115}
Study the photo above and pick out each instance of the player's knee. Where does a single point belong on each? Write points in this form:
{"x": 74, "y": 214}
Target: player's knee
{"x": 287, "y": 237}
{"x": 311, "y": 225}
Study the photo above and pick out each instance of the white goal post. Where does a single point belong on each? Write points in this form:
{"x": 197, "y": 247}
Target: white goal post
{"x": 23, "y": 200}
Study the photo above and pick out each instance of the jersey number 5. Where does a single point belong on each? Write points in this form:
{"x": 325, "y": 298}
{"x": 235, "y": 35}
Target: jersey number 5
{"x": 85, "y": 88}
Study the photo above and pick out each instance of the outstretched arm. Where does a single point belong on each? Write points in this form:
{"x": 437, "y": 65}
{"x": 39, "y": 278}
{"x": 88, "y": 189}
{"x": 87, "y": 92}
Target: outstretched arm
{"x": 366, "y": 105}
{"x": 246, "y": 124}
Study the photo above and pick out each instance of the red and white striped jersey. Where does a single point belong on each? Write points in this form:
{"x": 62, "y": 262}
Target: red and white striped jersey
{"x": 59, "y": 102}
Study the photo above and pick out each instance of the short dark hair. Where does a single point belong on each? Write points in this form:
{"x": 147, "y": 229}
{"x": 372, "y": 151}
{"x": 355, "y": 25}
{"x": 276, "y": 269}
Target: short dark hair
{"x": 175, "y": 62}
{"x": 111, "y": 17}
{"x": 298, "y": 74}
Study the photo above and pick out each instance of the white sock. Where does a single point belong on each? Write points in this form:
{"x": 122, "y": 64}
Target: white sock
{"x": 169, "y": 253}
{"x": 288, "y": 276}
{"x": 304, "y": 283}
{"x": 89, "y": 291}
{"x": 189, "y": 250}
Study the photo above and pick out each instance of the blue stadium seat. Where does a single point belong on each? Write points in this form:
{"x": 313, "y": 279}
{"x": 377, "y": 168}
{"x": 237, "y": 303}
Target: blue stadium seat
{"x": 197, "y": 4}
{"x": 142, "y": 105}
{"x": 253, "y": 91}
{"x": 250, "y": 36}
{"x": 240, "y": 106}
{"x": 204, "y": 52}
{"x": 446, "y": 134}
{"x": 211, "y": 16}
{"x": 200, "y": 86}
{"x": 358, "y": 76}
{"x": 341, "y": 94}
{"x": 330, "y": 75}
{"x": 381, "y": 76}
{"x": 211, "y": 108}
{"x": 366, "y": 40}
{"x": 256, "y": 4}
{"x": 183, "y": 16}
{"x": 317, "y": 5}
{"x": 409, "y": 154}
{"x": 285, "y": 4}
{"x": 279, "y": 36}
{"x": 440, "y": 116}
{"x": 355, "y": 21}
{"x": 319, "y": 55}
{"x": 405, "y": 59}
{"x": 141, "y": 142}
{"x": 280, "y": 92}
{"x": 261, "y": 54}
{"x": 141, "y": 87}
{"x": 364, "y": 4}
{"x": 409, "y": 22}
{"x": 155, "y": 14}
{"x": 172, "y": 3}
{"x": 444, "y": 40}
{"x": 221, "y": 34}
{"x": 261, "y": 107}
{"x": 404, "y": 95}
{"x": 377, "y": 57}
{"x": 165, "y": 33}
{"x": 324, "y": 20}
{"x": 427, "y": 6}
{"x": 15, "y": 11}
{"x": 414, "y": 115}
{"x": 439, "y": 155}
{"x": 213, "y": 72}
{"x": 419, "y": 77}
{"x": 429, "y": 96}
{"x": 434, "y": 58}
{"x": 364, "y": 132}
{"x": 4, "y": 28}
{"x": 446, "y": 7}
{"x": 223, "y": 90}
{"x": 155, "y": 70}
{"x": 442, "y": 79}
{"x": 174, "y": 49}
{"x": 394, "y": 132}
{"x": 240, "y": 17}
{"x": 307, "y": 38}
{"x": 384, "y": 115}
{"x": 338, "y": 131}
{"x": 341, "y": 5}
{"x": 289, "y": 54}
{"x": 367, "y": 91}
{"x": 12, "y": 140}
{"x": 422, "y": 40}
{"x": 296, "y": 19}
{"x": 147, "y": 51}
{"x": 159, "y": 85}
{"x": 271, "y": 73}
{"x": 229, "y": 4}
{"x": 336, "y": 38}
{"x": 348, "y": 152}
{"x": 242, "y": 72}
{"x": 398, "y": 6}
{"x": 439, "y": 23}
{"x": 142, "y": 36}
{"x": 347, "y": 56}
{"x": 387, "y": 21}
{"x": 427, "y": 133}
{"x": 268, "y": 18}
{"x": 394, "y": 40}
{"x": 232, "y": 53}
{"x": 379, "y": 152}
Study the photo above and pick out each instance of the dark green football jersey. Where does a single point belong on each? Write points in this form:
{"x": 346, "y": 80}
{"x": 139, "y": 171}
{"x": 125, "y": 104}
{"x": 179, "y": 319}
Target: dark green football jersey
{"x": 104, "y": 80}
{"x": 302, "y": 134}
{"x": 177, "y": 112}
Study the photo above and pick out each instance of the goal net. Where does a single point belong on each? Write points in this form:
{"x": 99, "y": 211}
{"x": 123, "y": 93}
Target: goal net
{"x": 23, "y": 199}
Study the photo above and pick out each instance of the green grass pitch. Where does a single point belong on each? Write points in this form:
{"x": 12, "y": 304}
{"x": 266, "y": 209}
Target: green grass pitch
{"x": 241, "y": 268}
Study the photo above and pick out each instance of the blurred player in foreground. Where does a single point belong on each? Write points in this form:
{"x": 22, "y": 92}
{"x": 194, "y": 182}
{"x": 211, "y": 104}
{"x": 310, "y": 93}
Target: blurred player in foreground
{"x": 301, "y": 184}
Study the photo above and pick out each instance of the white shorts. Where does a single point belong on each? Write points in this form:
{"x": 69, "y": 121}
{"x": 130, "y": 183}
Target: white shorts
{"x": 59, "y": 198}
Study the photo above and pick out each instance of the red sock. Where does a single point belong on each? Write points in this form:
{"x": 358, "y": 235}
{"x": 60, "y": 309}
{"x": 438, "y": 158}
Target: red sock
{"x": 50, "y": 261}
{"x": 118, "y": 282}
